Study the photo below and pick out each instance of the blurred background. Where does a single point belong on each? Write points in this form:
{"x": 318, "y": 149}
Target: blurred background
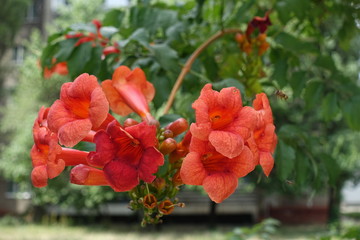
{"x": 313, "y": 192}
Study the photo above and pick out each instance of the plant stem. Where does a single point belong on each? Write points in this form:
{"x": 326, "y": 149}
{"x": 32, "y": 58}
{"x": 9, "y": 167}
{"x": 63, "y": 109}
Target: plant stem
{"x": 191, "y": 60}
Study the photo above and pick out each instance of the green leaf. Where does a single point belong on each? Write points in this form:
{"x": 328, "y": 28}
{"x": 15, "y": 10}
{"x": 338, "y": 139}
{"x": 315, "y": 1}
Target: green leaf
{"x": 54, "y": 36}
{"x": 297, "y": 82}
{"x": 166, "y": 57}
{"x": 163, "y": 88}
{"x": 351, "y": 112}
{"x": 284, "y": 160}
{"x": 244, "y": 10}
{"x": 93, "y": 66}
{"x": 141, "y": 36}
{"x": 284, "y": 11}
{"x": 114, "y": 18}
{"x": 325, "y": 62}
{"x": 108, "y": 32}
{"x": 302, "y": 169}
{"x": 329, "y": 107}
{"x": 66, "y": 48}
{"x": 295, "y": 44}
{"x": 87, "y": 27}
{"x": 152, "y": 19}
{"x": 229, "y": 82}
{"x": 332, "y": 167}
{"x": 168, "y": 118}
{"x": 280, "y": 72}
{"x": 174, "y": 32}
{"x": 313, "y": 94}
{"x": 48, "y": 54}
{"x": 79, "y": 58}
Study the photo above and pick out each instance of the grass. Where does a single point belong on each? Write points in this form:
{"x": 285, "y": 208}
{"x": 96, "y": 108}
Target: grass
{"x": 18, "y": 230}
{"x": 123, "y": 232}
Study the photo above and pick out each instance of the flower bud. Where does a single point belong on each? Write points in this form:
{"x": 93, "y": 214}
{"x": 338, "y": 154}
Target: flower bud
{"x": 261, "y": 37}
{"x": 168, "y": 133}
{"x": 176, "y": 180}
{"x": 130, "y": 122}
{"x": 263, "y": 47}
{"x": 240, "y": 38}
{"x": 178, "y": 126}
{"x": 167, "y": 146}
{"x": 159, "y": 183}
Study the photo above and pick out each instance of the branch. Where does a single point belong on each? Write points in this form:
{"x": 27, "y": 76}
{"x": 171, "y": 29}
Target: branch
{"x": 190, "y": 61}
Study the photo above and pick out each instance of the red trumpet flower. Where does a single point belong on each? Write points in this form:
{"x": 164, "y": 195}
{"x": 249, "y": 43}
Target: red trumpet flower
{"x": 48, "y": 157}
{"x": 82, "y": 107}
{"x": 127, "y": 155}
{"x": 222, "y": 120}
{"x": 263, "y": 140}
{"x": 217, "y": 173}
{"x": 129, "y": 91}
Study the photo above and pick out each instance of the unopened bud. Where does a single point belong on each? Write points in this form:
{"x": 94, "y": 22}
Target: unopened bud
{"x": 261, "y": 37}
{"x": 168, "y": 146}
{"x": 178, "y": 126}
{"x": 130, "y": 122}
{"x": 168, "y": 133}
{"x": 159, "y": 183}
{"x": 176, "y": 180}
{"x": 240, "y": 38}
{"x": 263, "y": 47}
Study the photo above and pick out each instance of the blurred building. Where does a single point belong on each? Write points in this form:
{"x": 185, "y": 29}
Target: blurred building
{"x": 14, "y": 200}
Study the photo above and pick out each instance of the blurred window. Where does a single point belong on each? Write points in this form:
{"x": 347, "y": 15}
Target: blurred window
{"x": 13, "y": 191}
{"x": 34, "y": 11}
{"x": 18, "y": 54}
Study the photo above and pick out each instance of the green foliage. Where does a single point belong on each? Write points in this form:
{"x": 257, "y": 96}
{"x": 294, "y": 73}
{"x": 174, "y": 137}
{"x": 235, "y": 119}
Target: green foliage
{"x": 262, "y": 230}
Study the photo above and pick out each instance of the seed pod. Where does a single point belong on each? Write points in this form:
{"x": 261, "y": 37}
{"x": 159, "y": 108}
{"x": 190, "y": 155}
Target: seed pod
{"x": 166, "y": 207}
{"x": 150, "y": 201}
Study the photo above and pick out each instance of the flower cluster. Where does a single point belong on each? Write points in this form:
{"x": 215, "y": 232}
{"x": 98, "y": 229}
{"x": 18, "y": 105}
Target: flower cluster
{"x": 225, "y": 143}
{"x": 247, "y": 43}
{"x": 95, "y": 37}
{"x": 228, "y": 141}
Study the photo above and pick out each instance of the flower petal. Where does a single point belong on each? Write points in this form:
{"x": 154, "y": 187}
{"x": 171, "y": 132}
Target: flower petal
{"x": 39, "y": 176}
{"x": 144, "y": 133}
{"x": 228, "y": 144}
{"x": 73, "y": 132}
{"x": 117, "y": 103}
{"x": 121, "y": 176}
{"x": 220, "y": 186}
{"x": 54, "y": 168}
{"x": 149, "y": 164}
{"x": 266, "y": 162}
{"x": 192, "y": 170}
{"x": 244, "y": 163}
{"x": 105, "y": 150}
{"x": 201, "y": 130}
{"x": 99, "y": 107}
{"x": 230, "y": 98}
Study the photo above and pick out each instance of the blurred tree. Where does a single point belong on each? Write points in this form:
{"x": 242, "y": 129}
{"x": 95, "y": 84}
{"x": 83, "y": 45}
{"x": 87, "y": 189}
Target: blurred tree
{"x": 12, "y": 14}
{"x": 30, "y": 93}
